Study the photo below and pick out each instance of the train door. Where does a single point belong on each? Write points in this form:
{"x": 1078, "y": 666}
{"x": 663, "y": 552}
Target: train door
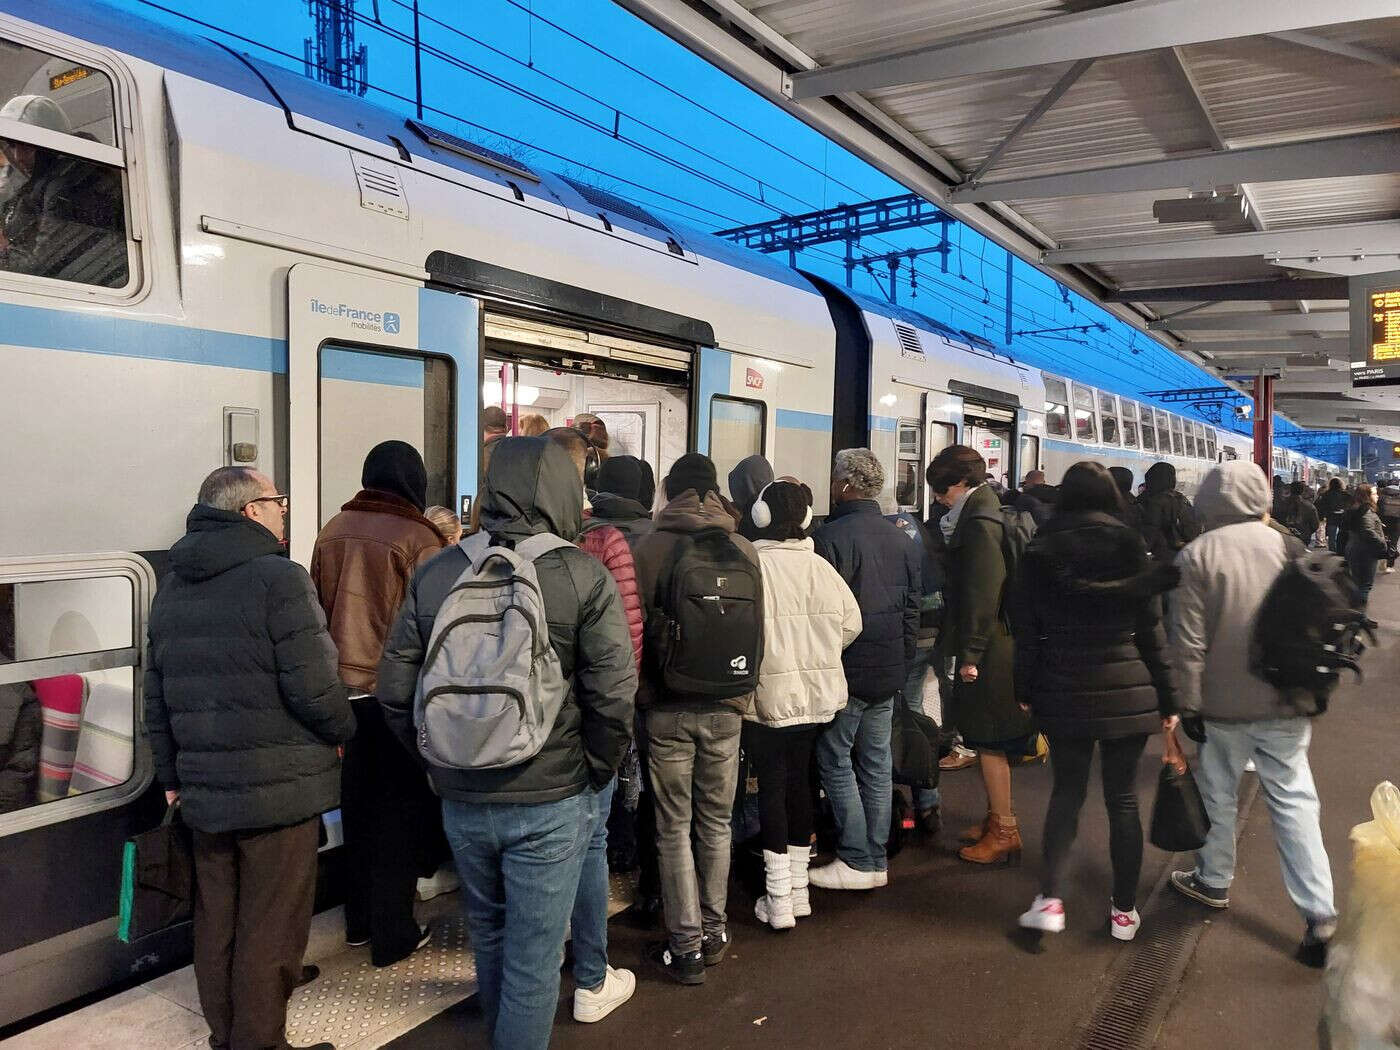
{"x": 373, "y": 359}
{"x": 991, "y": 430}
{"x": 544, "y": 375}
{"x": 72, "y": 654}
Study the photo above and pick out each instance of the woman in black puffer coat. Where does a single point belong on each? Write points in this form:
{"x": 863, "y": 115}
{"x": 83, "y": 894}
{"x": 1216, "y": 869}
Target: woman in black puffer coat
{"x": 1089, "y": 640}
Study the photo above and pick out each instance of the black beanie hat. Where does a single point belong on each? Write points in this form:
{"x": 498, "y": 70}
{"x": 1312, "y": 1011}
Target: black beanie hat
{"x": 694, "y": 470}
{"x": 396, "y": 467}
{"x": 647, "y": 496}
{"x": 1123, "y": 478}
{"x": 622, "y": 476}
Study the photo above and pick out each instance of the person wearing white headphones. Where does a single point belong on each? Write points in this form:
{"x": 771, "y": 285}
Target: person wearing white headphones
{"x": 809, "y": 617}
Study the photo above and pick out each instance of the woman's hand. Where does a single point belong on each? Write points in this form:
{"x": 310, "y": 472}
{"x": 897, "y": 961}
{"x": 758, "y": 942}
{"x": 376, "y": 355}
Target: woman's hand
{"x": 172, "y": 797}
{"x": 968, "y": 673}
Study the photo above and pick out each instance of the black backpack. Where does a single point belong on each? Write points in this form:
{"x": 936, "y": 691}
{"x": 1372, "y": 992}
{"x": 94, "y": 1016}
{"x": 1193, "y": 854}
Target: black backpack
{"x": 706, "y": 638}
{"x": 1309, "y": 629}
{"x": 916, "y": 745}
{"x": 1180, "y": 526}
{"x": 1017, "y": 531}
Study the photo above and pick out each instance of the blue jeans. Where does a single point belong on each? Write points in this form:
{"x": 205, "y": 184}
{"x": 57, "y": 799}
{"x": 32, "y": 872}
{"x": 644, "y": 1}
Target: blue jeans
{"x": 589, "y": 924}
{"x": 519, "y": 866}
{"x": 1279, "y": 749}
{"x": 856, "y": 767}
{"x": 924, "y": 798}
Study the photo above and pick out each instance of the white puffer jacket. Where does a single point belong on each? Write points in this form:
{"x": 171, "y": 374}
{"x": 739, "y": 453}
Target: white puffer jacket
{"x": 809, "y": 617}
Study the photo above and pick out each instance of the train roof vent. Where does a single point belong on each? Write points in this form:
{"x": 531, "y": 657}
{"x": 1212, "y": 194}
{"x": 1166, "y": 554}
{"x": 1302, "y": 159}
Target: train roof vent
{"x": 615, "y": 204}
{"x": 908, "y": 339}
{"x": 380, "y": 187}
{"x": 471, "y": 150}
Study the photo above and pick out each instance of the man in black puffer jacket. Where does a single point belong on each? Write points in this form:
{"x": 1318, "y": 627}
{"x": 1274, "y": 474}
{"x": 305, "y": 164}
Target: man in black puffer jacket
{"x": 520, "y": 834}
{"x": 881, "y": 565}
{"x": 244, "y": 710}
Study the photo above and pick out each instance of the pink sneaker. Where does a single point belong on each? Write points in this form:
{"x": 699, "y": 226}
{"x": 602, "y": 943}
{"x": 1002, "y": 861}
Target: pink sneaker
{"x": 1124, "y": 925}
{"x": 1046, "y": 914}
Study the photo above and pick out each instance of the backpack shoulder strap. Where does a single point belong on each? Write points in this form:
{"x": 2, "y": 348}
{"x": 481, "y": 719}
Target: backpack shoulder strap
{"x": 540, "y": 544}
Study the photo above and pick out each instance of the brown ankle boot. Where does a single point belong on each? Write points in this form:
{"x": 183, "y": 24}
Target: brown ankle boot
{"x": 975, "y": 833}
{"x": 1000, "y": 845}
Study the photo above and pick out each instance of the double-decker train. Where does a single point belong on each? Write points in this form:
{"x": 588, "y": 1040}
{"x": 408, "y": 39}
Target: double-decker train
{"x": 222, "y": 262}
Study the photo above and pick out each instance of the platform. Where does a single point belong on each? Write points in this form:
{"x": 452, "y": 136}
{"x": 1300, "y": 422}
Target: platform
{"x": 932, "y": 961}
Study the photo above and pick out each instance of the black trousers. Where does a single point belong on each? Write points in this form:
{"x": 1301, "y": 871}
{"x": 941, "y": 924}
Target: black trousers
{"x": 782, "y": 761}
{"x": 1070, "y": 758}
{"x": 391, "y": 821}
{"x": 253, "y": 895}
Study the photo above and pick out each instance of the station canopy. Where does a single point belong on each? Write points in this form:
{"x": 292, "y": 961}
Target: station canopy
{"x": 1210, "y": 170}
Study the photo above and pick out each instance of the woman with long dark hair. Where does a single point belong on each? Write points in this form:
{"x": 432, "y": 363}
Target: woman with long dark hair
{"x": 1089, "y": 642}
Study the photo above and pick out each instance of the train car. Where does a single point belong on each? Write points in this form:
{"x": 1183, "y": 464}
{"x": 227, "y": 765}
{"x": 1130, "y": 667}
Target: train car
{"x": 258, "y": 270}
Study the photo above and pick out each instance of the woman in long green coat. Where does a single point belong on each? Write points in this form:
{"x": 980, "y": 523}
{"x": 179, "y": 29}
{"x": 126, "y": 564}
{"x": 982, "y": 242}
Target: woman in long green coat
{"x": 977, "y": 637}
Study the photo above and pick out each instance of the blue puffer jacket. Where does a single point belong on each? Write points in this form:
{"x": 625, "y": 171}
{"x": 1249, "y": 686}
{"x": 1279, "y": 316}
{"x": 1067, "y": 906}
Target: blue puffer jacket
{"x": 881, "y": 565}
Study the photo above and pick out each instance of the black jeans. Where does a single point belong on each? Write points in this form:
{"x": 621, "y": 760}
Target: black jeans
{"x": 782, "y": 761}
{"x": 1070, "y": 758}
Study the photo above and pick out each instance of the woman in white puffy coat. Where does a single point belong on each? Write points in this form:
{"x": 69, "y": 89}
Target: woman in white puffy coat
{"x": 809, "y": 617}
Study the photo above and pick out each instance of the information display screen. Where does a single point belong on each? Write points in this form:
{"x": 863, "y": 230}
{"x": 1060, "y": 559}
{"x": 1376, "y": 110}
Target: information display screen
{"x": 1375, "y": 329}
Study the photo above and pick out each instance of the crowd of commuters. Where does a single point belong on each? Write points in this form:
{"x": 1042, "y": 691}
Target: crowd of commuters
{"x": 715, "y": 635}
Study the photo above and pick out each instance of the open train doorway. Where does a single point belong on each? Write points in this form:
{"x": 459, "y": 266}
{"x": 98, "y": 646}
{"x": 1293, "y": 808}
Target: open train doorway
{"x": 991, "y": 430}
{"x": 545, "y": 375}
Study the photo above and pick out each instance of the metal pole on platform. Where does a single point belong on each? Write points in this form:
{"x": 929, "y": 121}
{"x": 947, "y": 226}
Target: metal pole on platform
{"x": 1264, "y": 423}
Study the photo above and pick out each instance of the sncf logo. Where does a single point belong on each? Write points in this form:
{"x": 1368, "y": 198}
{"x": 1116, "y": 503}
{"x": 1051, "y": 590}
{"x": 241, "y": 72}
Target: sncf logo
{"x": 740, "y": 664}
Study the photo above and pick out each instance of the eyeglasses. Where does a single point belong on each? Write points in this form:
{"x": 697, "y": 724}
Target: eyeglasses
{"x": 282, "y": 501}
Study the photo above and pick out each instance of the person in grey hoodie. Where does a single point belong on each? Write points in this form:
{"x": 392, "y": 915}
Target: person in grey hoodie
{"x": 1225, "y": 575}
{"x": 748, "y": 478}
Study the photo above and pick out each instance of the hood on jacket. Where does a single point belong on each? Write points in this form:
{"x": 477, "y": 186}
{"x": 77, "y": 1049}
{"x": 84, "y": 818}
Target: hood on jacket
{"x": 1160, "y": 477}
{"x": 396, "y": 467}
{"x": 688, "y": 513}
{"x": 1096, "y": 554}
{"x": 622, "y": 476}
{"x": 1233, "y": 492}
{"x": 747, "y": 479}
{"x": 1123, "y": 478}
{"x": 531, "y": 486}
{"x": 609, "y": 506}
{"x": 216, "y": 541}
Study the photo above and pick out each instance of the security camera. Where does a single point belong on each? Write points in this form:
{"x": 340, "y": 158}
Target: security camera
{"x": 1243, "y": 411}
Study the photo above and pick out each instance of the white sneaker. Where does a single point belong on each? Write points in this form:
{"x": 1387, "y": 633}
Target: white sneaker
{"x": 444, "y": 880}
{"x": 838, "y": 875}
{"x": 1046, "y": 914}
{"x": 1124, "y": 925}
{"x": 616, "y": 989}
{"x": 882, "y": 878}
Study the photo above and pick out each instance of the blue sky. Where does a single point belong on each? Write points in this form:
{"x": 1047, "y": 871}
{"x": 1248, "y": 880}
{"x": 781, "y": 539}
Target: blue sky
{"x": 583, "y": 87}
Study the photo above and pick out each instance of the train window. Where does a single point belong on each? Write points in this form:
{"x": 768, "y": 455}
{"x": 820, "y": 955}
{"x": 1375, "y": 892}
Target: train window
{"x": 62, "y": 209}
{"x": 1108, "y": 414}
{"x": 909, "y": 473}
{"x": 70, "y": 663}
{"x": 1178, "y": 438}
{"x": 1056, "y": 407}
{"x": 737, "y": 428}
{"x": 370, "y": 396}
{"x": 1130, "y": 423}
{"x": 1199, "y": 432}
{"x": 1030, "y": 454}
{"x": 1164, "y": 434}
{"x": 1085, "y": 429}
{"x": 1210, "y": 444}
{"x": 1149, "y": 430}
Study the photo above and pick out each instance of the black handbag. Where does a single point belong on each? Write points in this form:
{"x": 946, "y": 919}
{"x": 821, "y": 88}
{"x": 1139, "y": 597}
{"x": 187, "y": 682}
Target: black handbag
{"x": 1179, "y": 820}
{"x": 157, "y": 888}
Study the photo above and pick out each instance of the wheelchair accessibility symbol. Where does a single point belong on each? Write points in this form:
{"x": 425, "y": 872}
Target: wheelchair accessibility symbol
{"x": 391, "y": 324}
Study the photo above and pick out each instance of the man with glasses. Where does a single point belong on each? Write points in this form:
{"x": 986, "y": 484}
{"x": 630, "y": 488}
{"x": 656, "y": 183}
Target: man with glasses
{"x": 245, "y": 710}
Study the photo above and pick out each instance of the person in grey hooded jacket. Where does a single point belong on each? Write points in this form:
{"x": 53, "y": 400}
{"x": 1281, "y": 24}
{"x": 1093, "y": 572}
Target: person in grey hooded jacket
{"x": 1225, "y": 574}
{"x": 520, "y": 834}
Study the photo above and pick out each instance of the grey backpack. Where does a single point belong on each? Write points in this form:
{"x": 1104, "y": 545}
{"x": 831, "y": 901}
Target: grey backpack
{"x": 491, "y": 686}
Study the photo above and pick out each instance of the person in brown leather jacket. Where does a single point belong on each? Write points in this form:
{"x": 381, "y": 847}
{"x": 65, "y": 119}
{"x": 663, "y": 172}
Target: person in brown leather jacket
{"x": 361, "y": 565}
